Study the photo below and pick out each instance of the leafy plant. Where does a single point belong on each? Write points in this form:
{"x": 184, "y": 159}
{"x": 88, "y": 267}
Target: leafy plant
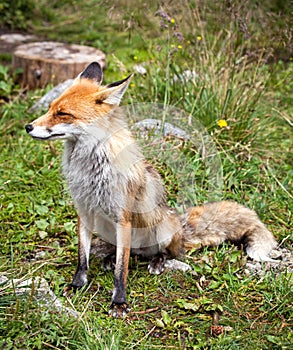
{"x": 15, "y": 14}
{"x": 198, "y": 59}
{"x": 6, "y": 83}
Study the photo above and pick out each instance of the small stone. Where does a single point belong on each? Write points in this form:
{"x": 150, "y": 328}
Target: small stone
{"x": 275, "y": 254}
{"x": 8, "y": 42}
{"x": 3, "y": 279}
{"x": 155, "y": 126}
{"x": 176, "y": 265}
{"x": 140, "y": 69}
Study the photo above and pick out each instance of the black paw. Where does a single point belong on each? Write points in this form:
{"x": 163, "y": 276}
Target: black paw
{"x": 157, "y": 264}
{"x": 118, "y": 310}
{"x": 108, "y": 263}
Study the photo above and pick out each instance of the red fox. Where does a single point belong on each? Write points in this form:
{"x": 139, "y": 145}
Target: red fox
{"x": 120, "y": 196}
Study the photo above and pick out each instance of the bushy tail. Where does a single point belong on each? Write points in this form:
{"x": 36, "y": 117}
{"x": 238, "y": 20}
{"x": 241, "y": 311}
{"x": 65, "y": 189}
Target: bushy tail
{"x": 214, "y": 223}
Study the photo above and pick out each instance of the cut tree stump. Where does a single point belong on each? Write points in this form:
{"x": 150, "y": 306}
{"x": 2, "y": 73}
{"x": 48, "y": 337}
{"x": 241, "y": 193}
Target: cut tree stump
{"x": 52, "y": 62}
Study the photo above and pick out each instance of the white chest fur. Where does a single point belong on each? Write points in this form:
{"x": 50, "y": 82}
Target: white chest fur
{"x": 105, "y": 184}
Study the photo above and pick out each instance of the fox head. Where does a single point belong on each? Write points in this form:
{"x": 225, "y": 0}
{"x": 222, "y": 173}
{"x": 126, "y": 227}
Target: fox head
{"x": 82, "y": 104}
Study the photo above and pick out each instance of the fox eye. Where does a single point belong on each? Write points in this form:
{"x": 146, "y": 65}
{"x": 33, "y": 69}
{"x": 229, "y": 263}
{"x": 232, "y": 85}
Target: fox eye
{"x": 61, "y": 114}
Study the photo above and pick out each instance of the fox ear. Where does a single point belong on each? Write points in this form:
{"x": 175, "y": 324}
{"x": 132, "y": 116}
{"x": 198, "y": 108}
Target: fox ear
{"x": 93, "y": 72}
{"x": 115, "y": 91}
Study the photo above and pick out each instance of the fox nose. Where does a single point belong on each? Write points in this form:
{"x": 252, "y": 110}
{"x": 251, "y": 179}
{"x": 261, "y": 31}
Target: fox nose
{"x": 29, "y": 128}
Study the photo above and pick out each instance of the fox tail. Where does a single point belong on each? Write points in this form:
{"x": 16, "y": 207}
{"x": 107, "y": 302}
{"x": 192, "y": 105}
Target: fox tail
{"x": 213, "y": 223}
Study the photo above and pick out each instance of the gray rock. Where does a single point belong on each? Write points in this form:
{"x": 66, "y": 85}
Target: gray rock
{"x": 41, "y": 292}
{"x": 9, "y": 41}
{"x": 155, "y": 126}
{"x": 176, "y": 265}
{"x": 44, "y": 102}
{"x": 283, "y": 263}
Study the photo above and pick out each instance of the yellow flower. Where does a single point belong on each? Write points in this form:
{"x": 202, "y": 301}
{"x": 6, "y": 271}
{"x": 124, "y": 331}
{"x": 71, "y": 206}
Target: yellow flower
{"x": 179, "y": 47}
{"x": 135, "y": 58}
{"x": 172, "y": 20}
{"x": 199, "y": 38}
{"x": 222, "y": 123}
{"x": 132, "y": 85}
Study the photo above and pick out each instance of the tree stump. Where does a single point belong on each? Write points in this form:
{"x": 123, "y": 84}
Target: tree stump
{"x": 52, "y": 62}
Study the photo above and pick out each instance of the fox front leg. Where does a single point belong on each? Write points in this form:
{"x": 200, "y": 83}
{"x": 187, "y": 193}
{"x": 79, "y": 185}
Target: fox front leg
{"x": 119, "y": 306}
{"x": 84, "y": 245}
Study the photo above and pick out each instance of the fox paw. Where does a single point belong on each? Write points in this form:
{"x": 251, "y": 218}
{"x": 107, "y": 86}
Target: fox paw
{"x": 108, "y": 263}
{"x": 157, "y": 264}
{"x": 69, "y": 290}
{"x": 118, "y": 310}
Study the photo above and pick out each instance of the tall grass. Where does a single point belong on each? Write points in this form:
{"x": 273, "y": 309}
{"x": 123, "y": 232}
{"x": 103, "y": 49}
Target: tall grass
{"x": 239, "y": 102}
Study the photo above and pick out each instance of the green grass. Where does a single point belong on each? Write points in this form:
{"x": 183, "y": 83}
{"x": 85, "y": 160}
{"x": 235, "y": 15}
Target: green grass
{"x": 237, "y": 82}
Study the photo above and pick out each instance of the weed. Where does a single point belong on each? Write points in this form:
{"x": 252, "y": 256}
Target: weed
{"x": 203, "y": 58}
